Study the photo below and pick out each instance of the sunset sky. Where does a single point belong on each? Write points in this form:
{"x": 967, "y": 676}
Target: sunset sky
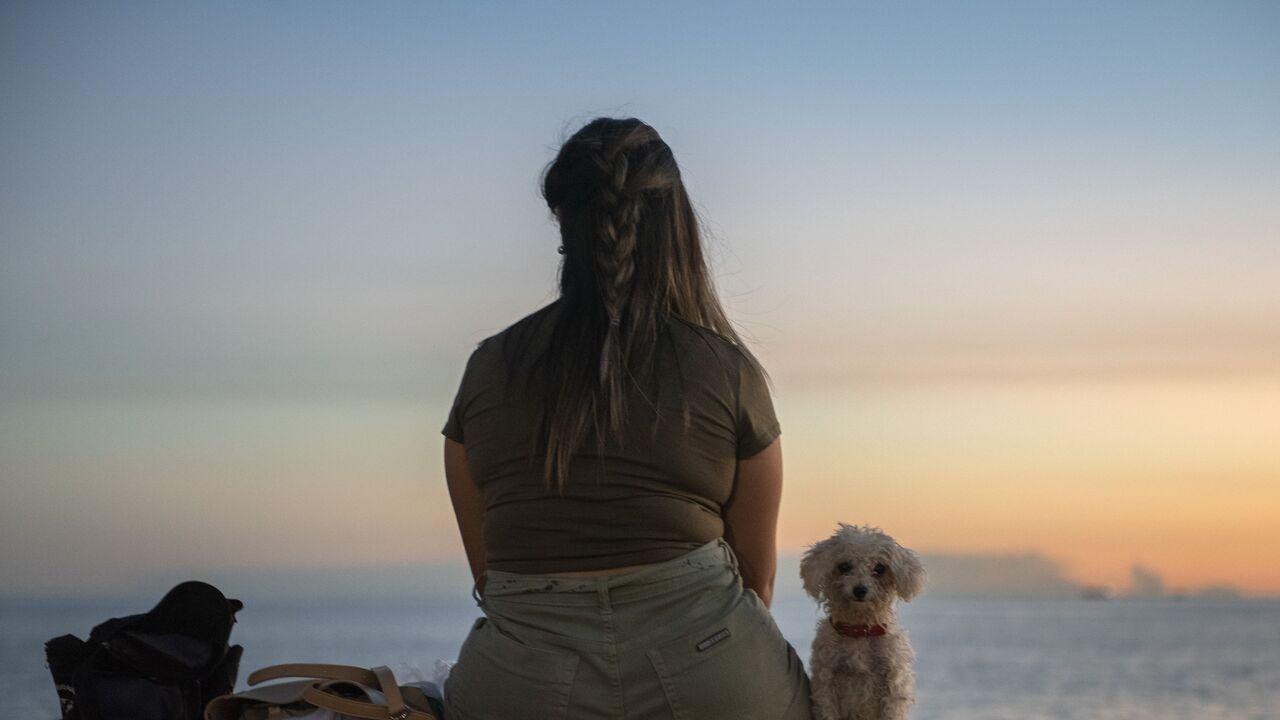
{"x": 1014, "y": 267}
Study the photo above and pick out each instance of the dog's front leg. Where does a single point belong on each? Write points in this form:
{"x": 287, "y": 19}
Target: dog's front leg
{"x": 825, "y": 708}
{"x": 893, "y": 665}
{"x": 824, "y": 705}
{"x": 898, "y": 696}
{"x": 894, "y": 707}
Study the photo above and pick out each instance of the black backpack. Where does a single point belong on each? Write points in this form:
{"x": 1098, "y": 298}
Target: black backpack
{"x": 165, "y": 664}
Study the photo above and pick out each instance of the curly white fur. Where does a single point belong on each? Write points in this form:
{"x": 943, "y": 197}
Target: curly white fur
{"x": 856, "y": 575}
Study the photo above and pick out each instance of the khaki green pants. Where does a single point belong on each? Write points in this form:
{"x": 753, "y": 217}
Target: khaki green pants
{"x": 680, "y": 640}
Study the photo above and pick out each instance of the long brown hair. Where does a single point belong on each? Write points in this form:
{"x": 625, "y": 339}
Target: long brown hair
{"x": 633, "y": 259}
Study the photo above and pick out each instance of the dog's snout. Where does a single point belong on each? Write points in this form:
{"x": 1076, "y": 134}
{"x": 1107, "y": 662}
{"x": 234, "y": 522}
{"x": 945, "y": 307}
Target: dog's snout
{"x": 860, "y": 591}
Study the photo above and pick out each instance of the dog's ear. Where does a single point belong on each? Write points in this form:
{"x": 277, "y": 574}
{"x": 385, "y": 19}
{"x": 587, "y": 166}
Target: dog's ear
{"x": 814, "y": 566}
{"x": 908, "y": 572}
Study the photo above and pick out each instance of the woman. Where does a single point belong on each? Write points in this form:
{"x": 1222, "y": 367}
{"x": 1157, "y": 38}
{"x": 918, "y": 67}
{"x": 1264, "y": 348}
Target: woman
{"x": 614, "y": 466}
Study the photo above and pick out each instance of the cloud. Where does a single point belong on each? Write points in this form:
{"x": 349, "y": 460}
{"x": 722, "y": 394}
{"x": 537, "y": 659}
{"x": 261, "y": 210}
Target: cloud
{"x": 1028, "y": 574}
{"x": 1020, "y": 574}
{"x": 1145, "y": 582}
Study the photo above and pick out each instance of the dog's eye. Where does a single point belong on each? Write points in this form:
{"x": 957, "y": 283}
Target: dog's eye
{"x": 879, "y": 569}
{"x": 844, "y": 568}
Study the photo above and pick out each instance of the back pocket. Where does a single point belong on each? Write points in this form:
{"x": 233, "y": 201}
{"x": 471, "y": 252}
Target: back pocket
{"x": 736, "y": 666}
{"x": 498, "y": 677}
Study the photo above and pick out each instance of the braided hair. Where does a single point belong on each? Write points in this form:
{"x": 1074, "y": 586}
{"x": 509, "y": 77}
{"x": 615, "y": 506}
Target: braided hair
{"x": 632, "y": 258}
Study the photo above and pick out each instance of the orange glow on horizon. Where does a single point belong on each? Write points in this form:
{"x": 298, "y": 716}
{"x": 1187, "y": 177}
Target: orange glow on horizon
{"x": 1182, "y": 476}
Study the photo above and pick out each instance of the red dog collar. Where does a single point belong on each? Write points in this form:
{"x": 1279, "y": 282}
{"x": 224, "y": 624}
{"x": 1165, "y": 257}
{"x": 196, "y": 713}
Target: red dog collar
{"x": 858, "y": 631}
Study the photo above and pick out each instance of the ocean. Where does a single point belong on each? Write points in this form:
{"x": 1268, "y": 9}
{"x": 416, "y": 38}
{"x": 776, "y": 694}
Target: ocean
{"x": 977, "y": 658}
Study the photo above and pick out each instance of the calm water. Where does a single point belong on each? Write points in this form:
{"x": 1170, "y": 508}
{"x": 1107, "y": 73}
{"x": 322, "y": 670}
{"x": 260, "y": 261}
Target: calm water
{"x": 1166, "y": 659}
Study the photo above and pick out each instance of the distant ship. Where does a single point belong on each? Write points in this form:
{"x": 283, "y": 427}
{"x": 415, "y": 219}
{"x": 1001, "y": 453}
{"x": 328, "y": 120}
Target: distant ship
{"x": 1097, "y": 592}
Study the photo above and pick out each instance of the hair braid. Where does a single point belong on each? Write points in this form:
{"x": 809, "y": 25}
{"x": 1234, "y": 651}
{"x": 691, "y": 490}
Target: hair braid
{"x": 632, "y": 261}
{"x": 616, "y": 222}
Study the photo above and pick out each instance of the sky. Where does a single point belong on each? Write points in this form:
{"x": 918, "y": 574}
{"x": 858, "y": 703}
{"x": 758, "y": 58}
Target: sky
{"x": 1013, "y": 267}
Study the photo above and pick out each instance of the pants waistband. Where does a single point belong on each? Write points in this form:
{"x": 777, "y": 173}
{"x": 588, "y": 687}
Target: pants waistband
{"x": 608, "y": 589}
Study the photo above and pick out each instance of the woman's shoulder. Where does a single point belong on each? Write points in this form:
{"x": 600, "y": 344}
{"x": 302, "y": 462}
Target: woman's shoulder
{"x": 526, "y": 328}
{"x": 694, "y": 337}
{"x": 525, "y": 337}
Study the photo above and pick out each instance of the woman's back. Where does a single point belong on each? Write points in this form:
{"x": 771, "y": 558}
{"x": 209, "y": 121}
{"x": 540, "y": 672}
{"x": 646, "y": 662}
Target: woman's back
{"x": 654, "y": 494}
{"x": 613, "y": 463}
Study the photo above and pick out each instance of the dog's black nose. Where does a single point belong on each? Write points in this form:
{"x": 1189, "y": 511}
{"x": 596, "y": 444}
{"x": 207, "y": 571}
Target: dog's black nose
{"x": 860, "y": 591}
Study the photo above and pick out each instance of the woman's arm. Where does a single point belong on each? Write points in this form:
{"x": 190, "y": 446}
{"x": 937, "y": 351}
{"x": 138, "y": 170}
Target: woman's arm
{"x": 468, "y": 507}
{"x": 751, "y": 518}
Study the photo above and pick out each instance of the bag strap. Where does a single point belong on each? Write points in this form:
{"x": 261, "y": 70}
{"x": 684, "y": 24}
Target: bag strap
{"x": 346, "y": 673}
{"x": 380, "y": 678}
{"x": 391, "y": 691}
{"x": 318, "y": 694}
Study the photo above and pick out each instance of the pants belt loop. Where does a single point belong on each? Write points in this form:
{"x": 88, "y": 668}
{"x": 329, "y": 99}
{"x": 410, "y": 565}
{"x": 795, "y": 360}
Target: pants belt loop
{"x": 730, "y": 555}
{"x": 475, "y": 594}
{"x": 602, "y": 591}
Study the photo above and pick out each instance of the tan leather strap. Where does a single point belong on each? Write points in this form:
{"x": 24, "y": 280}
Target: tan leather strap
{"x": 391, "y": 691}
{"x": 349, "y": 673}
{"x": 318, "y": 694}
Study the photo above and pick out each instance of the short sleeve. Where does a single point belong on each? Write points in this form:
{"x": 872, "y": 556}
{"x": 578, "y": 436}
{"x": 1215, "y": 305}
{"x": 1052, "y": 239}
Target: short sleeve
{"x": 453, "y": 425}
{"x": 757, "y": 424}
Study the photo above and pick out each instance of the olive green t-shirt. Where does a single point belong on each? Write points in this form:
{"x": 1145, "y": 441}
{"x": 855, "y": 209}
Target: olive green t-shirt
{"x": 652, "y": 496}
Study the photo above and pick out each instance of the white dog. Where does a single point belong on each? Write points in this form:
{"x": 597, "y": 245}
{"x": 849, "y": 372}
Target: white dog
{"x": 861, "y": 664}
